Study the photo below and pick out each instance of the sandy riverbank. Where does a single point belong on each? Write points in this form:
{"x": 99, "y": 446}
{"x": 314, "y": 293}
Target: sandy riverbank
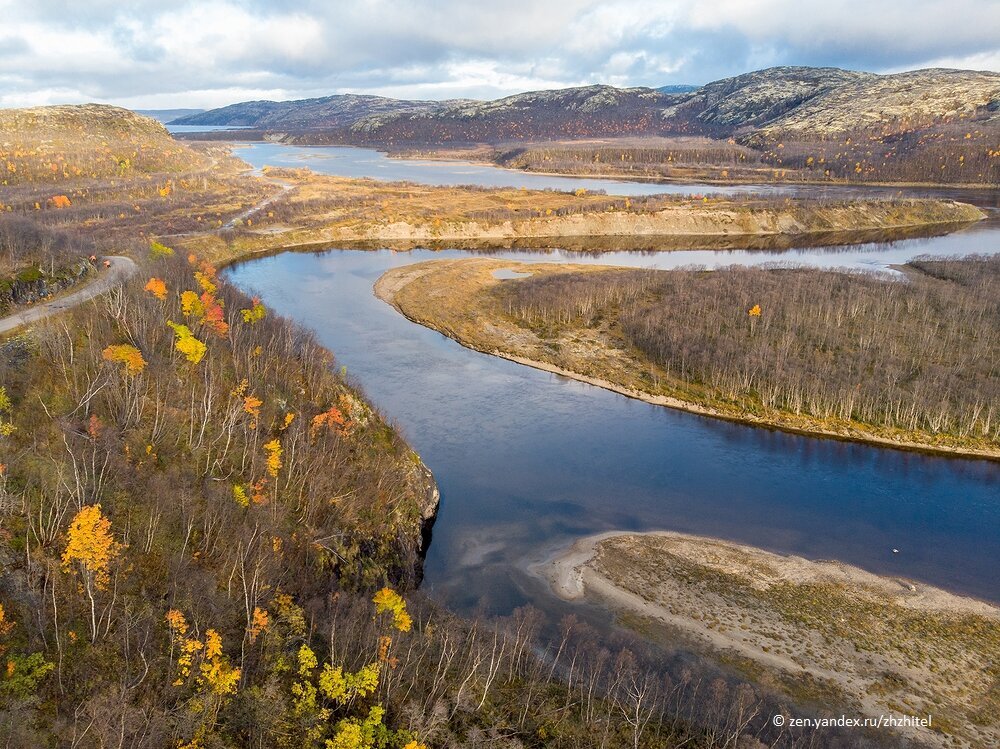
{"x": 876, "y": 644}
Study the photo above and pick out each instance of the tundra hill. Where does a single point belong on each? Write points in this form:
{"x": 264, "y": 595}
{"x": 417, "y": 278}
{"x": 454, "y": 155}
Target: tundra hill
{"x": 895, "y": 103}
{"x": 105, "y": 174}
{"x": 339, "y": 111}
{"x": 59, "y": 143}
{"x": 574, "y": 112}
{"x": 813, "y": 101}
{"x": 760, "y": 97}
{"x": 563, "y": 113}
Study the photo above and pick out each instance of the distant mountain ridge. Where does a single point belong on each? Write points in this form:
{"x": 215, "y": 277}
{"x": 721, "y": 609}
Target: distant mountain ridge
{"x": 168, "y": 115}
{"x": 339, "y": 110}
{"x": 677, "y": 88}
{"x": 804, "y": 100}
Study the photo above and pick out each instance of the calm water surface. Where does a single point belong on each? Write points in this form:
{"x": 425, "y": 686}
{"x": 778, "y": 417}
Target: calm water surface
{"x": 526, "y": 460}
{"x": 348, "y": 161}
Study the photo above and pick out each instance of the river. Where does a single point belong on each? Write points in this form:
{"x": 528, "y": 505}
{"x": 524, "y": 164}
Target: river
{"x": 526, "y": 460}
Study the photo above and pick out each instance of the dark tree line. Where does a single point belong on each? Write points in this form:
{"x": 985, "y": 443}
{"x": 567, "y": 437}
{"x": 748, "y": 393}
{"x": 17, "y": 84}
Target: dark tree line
{"x": 951, "y": 152}
{"x": 629, "y": 156}
{"x": 916, "y": 354}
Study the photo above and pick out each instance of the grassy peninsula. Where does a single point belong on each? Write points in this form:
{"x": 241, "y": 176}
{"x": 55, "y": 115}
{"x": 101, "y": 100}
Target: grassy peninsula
{"x": 847, "y": 355}
{"x": 323, "y": 210}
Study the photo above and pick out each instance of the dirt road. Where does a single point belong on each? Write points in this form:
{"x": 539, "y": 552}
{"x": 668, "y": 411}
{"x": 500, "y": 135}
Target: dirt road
{"x": 120, "y": 269}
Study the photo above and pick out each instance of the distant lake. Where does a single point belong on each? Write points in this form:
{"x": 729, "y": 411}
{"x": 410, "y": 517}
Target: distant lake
{"x": 526, "y": 459}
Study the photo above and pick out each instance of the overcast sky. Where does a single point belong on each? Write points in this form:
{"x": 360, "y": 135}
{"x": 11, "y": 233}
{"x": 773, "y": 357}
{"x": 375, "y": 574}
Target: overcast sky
{"x": 170, "y": 53}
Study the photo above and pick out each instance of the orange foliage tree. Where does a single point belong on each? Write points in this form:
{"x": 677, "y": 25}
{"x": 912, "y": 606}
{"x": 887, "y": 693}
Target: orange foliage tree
{"x": 157, "y": 288}
{"x": 207, "y": 307}
{"x": 333, "y": 418}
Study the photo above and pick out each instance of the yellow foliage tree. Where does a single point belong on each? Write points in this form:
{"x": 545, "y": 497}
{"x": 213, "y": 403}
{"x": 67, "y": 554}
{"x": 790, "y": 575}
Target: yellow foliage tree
{"x": 90, "y": 550}
{"x": 6, "y": 625}
{"x": 193, "y": 349}
{"x": 340, "y": 686}
{"x": 213, "y": 673}
{"x": 289, "y": 614}
{"x": 205, "y": 280}
{"x": 129, "y": 356}
{"x": 273, "y": 450}
{"x": 191, "y": 304}
{"x": 240, "y": 496}
{"x": 388, "y": 600}
{"x": 159, "y": 250}
{"x": 254, "y": 314}
{"x": 359, "y": 734}
{"x": 318, "y": 692}
{"x": 90, "y": 547}
{"x": 7, "y": 427}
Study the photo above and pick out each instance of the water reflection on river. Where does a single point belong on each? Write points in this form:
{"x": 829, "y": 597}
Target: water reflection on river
{"x": 526, "y": 459}
{"x": 348, "y": 161}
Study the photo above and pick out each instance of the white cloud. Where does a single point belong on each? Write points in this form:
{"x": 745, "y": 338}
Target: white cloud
{"x": 981, "y": 61}
{"x": 148, "y": 53}
{"x": 910, "y": 27}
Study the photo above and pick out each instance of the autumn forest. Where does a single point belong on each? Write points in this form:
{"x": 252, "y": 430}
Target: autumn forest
{"x": 216, "y": 530}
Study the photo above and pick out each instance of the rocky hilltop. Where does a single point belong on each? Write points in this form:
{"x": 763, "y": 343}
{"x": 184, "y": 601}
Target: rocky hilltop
{"x": 761, "y": 97}
{"x": 893, "y": 103}
{"x": 562, "y": 113}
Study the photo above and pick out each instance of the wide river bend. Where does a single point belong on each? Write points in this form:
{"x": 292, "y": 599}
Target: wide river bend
{"x": 527, "y": 460}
